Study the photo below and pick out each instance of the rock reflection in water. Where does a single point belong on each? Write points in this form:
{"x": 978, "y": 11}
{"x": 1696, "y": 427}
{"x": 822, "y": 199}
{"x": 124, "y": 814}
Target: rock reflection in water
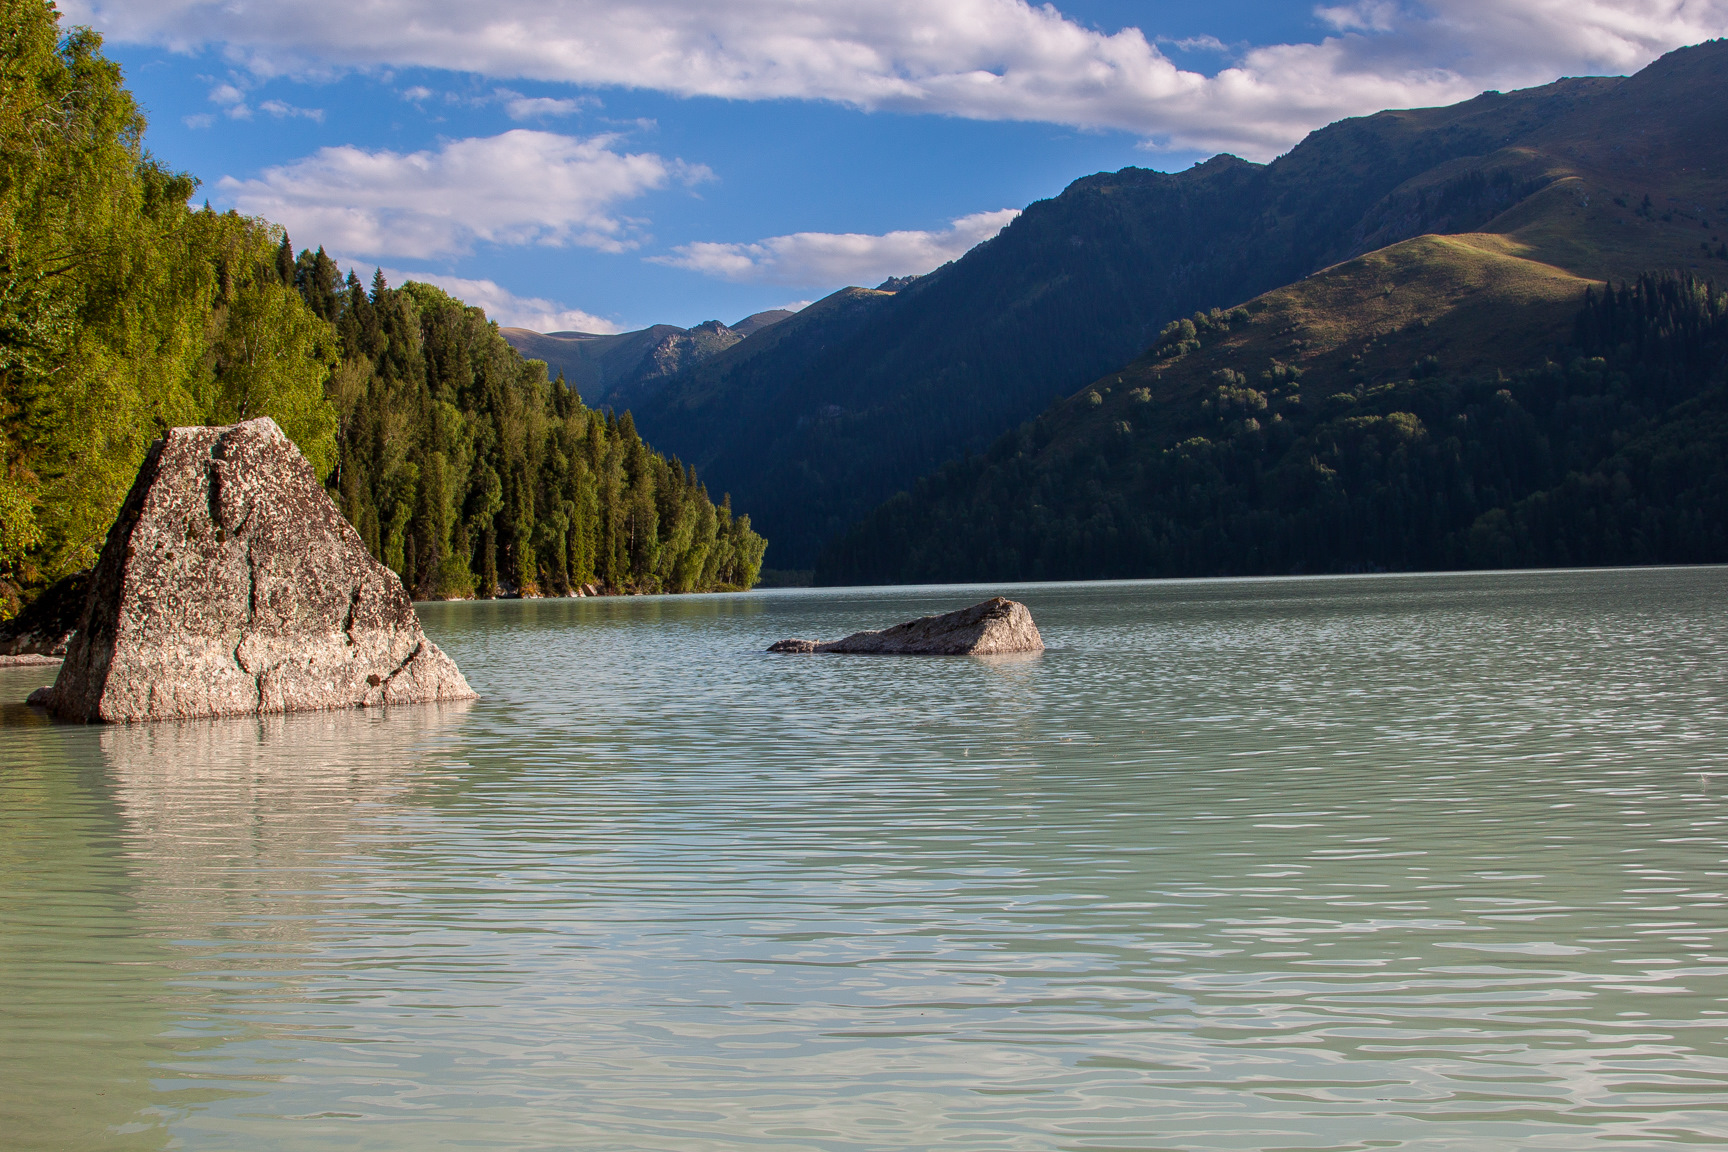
{"x": 221, "y": 815}
{"x": 1390, "y": 862}
{"x": 150, "y": 901}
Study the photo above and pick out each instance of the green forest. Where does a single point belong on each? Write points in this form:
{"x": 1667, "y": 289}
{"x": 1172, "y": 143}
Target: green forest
{"x": 1613, "y": 452}
{"x": 124, "y": 312}
{"x": 469, "y": 473}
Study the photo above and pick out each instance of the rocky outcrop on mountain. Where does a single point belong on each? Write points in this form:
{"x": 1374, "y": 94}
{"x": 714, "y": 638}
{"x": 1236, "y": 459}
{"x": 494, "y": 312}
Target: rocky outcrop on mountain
{"x": 229, "y": 585}
{"x": 684, "y": 349}
{"x": 997, "y": 627}
{"x": 620, "y": 368}
{"x": 45, "y": 627}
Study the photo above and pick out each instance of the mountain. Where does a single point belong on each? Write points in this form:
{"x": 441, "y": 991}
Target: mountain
{"x": 1382, "y": 415}
{"x": 1606, "y": 176}
{"x": 1468, "y": 400}
{"x": 631, "y": 364}
{"x": 755, "y": 322}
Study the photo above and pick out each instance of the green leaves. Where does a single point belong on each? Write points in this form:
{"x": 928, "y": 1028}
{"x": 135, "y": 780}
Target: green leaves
{"x": 271, "y": 356}
{"x": 122, "y": 312}
{"x": 469, "y": 473}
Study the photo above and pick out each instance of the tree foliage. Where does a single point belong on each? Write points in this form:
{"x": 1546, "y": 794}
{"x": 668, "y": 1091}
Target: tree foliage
{"x": 1613, "y": 453}
{"x": 122, "y": 311}
{"x": 470, "y": 474}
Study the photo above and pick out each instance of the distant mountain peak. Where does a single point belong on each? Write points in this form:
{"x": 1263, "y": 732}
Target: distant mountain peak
{"x": 621, "y": 368}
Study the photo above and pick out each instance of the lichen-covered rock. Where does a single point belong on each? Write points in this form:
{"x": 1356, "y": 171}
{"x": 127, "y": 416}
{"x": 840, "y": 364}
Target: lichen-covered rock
{"x": 996, "y": 627}
{"x": 230, "y": 584}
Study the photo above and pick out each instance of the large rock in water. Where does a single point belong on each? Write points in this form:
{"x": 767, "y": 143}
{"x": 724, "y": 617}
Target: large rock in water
{"x": 996, "y": 627}
{"x": 230, "y": 584}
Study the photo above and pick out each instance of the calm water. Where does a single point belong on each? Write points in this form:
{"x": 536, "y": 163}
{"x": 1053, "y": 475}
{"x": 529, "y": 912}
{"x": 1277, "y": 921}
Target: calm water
{"x": 1383, "y": 862}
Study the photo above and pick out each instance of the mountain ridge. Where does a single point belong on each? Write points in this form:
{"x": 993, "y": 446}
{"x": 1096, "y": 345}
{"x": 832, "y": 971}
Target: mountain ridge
{"x": 622, "y": 367}
{"x": 818, "y": 431}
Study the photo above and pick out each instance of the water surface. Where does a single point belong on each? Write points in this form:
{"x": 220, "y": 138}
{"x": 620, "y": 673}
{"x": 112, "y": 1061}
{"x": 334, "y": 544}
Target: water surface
{"x": 1427, "y": 862}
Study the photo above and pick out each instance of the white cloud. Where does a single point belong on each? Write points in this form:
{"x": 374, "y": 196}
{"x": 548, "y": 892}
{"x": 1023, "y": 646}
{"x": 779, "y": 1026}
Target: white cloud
{"x": 522, "y": 187}
{"x": 828, "y": 259}
{"x": 1200, "y": 44}
{"x": 539, "y": 107}
{"x": 986, "y": 59}
{"x": 283, "y": 111}
{"x": 417, "y": 94}
{"x": 201, "y": 120}
{"x": 509, "y": 309}
{"x": 232, "y": 101}
{"x": 1363, "y": 16}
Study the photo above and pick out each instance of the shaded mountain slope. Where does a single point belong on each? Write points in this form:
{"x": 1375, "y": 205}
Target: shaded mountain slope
{"x": 624, "y": 367}
{"x": 816, "y": 431}
{"x": 1398, "y": 411}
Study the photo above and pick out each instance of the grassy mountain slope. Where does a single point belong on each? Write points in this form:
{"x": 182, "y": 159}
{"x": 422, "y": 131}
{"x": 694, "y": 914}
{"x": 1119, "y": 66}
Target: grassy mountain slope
{"x": 1399, "y": 410}
{"x": 1390, "y": 354}
{"x": 1455, "y": 305}
{"x": 819, "y": 431}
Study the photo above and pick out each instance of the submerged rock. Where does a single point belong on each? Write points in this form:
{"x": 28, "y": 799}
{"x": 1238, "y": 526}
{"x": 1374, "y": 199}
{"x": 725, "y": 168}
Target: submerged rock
{"x": 229, "y": 585}
{"x": 996, "y": 627}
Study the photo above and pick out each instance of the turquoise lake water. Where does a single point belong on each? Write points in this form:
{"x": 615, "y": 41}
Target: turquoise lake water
{"x": 1411, "y": 862}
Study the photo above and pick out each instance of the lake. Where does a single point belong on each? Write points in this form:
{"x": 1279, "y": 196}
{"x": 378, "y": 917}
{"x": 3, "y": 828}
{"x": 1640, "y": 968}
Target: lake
{"x": 1412, "y": 862}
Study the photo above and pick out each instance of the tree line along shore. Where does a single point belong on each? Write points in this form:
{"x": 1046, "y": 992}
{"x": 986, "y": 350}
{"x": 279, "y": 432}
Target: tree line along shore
{"x": 124, "y": 312}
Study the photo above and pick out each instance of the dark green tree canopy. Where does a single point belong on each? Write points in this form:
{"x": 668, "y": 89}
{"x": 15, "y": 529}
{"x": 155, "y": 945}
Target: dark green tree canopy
{"x": 124, "y": 312}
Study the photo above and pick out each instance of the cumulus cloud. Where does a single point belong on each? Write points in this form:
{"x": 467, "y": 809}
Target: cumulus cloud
{"x": 826, "y": 259}
{"x": 521, "y": 187}
{"x": 986, "y": 59}
{"x": 509, "y": 309}
{"x": 232, "y": 101}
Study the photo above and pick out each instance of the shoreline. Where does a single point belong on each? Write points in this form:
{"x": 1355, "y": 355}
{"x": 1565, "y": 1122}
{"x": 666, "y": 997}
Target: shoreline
{"x": 29, "y": 660}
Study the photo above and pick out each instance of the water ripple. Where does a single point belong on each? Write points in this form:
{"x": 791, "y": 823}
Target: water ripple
{"x": 1393, "y": 862}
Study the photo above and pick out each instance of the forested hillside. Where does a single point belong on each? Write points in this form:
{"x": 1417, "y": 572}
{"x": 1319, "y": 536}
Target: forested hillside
{"x": 1212, "y": 457}
{"x": 123, "y": 312}
{"x": 469, "y": 473}
{"x": 1612, "y": 176}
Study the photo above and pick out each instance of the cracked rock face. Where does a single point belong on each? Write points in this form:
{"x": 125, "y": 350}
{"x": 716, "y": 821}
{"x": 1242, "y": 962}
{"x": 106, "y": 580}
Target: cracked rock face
{"x": 997, "y": 627}
{"x": 229, "y": 585}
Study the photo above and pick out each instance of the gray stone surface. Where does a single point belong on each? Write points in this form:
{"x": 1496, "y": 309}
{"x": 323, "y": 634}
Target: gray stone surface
{"x": 997, "y": 627}
{"x": 28, "y": 660}
{"x": 230, "y": 584}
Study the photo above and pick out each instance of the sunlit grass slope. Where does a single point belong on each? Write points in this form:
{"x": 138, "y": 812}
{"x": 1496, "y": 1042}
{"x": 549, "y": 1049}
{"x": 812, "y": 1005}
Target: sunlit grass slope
{"x": 1420, "y": 406}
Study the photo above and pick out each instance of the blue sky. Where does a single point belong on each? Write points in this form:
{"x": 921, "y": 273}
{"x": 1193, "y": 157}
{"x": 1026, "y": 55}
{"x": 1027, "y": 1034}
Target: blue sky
{"x": 566, "y": 163}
